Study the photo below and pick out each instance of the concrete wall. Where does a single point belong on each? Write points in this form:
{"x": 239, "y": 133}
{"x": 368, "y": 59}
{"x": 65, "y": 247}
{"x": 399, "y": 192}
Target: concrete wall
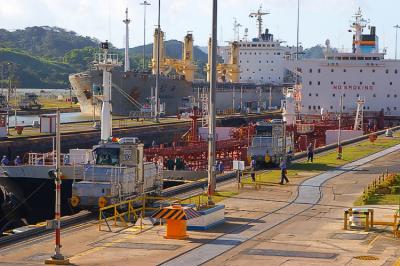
{"x": 85, "y": 140}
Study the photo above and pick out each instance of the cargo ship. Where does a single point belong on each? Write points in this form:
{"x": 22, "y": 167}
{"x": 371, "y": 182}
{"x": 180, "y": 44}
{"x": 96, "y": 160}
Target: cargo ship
{"x": 251, "y": 77}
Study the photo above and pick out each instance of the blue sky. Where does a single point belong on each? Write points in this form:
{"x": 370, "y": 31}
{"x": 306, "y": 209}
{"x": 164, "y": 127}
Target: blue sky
{"x": 320, "y": 19}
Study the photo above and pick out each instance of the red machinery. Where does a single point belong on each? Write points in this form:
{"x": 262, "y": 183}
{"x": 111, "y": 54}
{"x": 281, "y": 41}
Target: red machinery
{"x": 194, "y": 151}
{"x": 312, "y": 128}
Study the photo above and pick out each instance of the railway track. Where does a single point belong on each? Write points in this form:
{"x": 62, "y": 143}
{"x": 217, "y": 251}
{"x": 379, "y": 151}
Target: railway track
{"x": 309, "y": 193}
{"x": 181, "y": 191}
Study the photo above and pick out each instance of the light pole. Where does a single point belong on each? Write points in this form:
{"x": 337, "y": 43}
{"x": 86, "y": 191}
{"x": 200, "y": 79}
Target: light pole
{"x": 157, "y": 107}
{"x": 144, "y": 4}
{"x": 395, "y": 54}
{"x": 339, "y": 140}
{"x": 9, "y": 64}
{"x": 211, "y": 107}
{"x": 298, "y": 30}
{"x": 57, "y": 258}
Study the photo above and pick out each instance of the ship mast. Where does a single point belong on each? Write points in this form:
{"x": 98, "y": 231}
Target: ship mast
{"x": 126, "y": 21}
{"x": 358, "y": 25}
{"x": 106, "y": 62}
{"x": 258, "y": 15}
{"x": 236, "y": 30}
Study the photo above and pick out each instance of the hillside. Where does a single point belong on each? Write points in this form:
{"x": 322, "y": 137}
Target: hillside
{"x": 35, "y": 72}
{"x": 49, "y": 42}
{"x": 43, "y": 57}
{"x": 173, "y": 49}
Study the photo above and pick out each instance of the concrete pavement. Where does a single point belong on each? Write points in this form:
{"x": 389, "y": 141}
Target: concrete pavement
{"x": 261, "y": 229}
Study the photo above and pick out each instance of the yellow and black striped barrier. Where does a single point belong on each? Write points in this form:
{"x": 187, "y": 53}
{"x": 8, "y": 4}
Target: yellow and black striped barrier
{"x": 176, "y": 217}
{"x": 176, "y": 213}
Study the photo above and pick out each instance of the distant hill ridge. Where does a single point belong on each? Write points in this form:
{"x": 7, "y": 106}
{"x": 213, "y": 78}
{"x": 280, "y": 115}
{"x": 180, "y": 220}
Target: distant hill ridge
{"x": 43, "y": 56}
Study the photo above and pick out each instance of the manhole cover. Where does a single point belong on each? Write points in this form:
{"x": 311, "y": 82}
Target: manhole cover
{"x": 347, "y": 236}
{"x": 366, "y": 258}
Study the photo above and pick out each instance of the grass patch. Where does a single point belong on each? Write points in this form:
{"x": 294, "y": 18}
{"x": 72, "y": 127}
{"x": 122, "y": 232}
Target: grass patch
{"x": 54, "y": 103}
{"x": 383, "y": 193}
{"x": 328, "y": 161}
{"x": 387, "y": 199}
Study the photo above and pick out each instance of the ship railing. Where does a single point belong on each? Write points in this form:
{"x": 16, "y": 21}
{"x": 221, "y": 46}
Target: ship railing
{"x": 102, "y": 58}
{"x": 47, "y": 158}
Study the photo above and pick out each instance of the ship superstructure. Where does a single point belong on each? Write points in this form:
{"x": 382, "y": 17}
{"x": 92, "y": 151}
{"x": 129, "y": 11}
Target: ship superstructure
{"x": 260, "y": 60}
{"x": 363, "y": 73}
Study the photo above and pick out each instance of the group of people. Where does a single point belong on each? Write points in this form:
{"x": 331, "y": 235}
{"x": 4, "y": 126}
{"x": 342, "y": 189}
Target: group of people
{"x": 177, "y": 164}
{"x": 5, "y": 161}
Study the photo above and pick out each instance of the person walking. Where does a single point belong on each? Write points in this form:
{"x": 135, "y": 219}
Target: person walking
{"x": 310, "y": 152}
{"x": 283, "y": 171}
{"x": 221, "y": 167}
{"x": 253, "y": 169}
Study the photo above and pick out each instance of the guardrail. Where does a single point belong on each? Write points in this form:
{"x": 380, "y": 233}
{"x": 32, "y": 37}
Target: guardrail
{"x": 132, "y": 210}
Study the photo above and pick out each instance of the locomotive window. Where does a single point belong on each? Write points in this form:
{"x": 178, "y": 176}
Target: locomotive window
{"x": 106, "y": 156}
{"x": 264, "y": 131}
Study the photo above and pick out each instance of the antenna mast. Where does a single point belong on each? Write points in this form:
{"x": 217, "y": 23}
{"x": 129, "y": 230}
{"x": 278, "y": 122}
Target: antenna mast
{"x": 258, "y": 15}
{"x": 126, "y": 21}
{"x": 236, "y": 28}
{"x": 358, "y": 25}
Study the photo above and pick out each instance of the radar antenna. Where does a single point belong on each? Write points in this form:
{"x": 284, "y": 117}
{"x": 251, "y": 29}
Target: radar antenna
{"x": 258, "y": 15}
{"x": 357, "y": 26}
{"x": 236, "y": 30}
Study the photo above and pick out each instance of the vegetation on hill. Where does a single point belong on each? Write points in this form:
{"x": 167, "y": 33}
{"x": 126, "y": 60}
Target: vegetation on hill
{"x": 49, "y": 42}
{"x": 34, "y": 72}
{"x": 43, "y": 57}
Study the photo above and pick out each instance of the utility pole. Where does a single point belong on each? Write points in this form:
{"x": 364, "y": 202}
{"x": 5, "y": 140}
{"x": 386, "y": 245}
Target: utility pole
{"x": 144, "y": 4}
{"x": 157, "y": 107}
{"x": 211, "y": 107}
{"x": 9, "y": 96}
{"x": 270, "y": 98}
{"x": 57, "y": 258}
{"x": 126, "y": 22}
{"x": 241, "y": 99}
{"x": 395, "y": 54}
{"x": 233, "y": 98}
{"x": 339, "y": 140}
{"x": 298, "y": 30}
{"x": 70, "y": 95}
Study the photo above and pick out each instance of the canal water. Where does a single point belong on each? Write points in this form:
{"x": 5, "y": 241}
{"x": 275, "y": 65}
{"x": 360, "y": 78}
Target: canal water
{"x": 26, "y": 120}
